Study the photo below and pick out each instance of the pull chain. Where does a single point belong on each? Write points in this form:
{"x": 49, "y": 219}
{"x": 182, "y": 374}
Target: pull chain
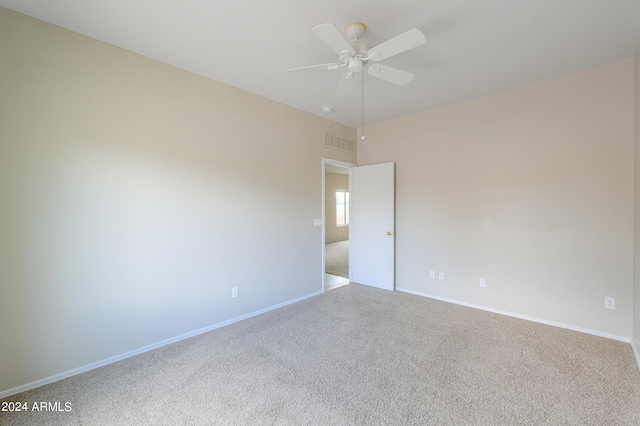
{"x": 362, "y": 137}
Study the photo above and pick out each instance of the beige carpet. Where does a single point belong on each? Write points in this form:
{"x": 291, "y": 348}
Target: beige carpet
{"x": 336, "y": 255}
{"x": 360, "y": 356}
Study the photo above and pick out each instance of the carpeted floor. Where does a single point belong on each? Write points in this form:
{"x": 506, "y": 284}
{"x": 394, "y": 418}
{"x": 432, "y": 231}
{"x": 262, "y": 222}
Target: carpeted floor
{"x": 358, "y": 356}
{"x": 336, "y": 255}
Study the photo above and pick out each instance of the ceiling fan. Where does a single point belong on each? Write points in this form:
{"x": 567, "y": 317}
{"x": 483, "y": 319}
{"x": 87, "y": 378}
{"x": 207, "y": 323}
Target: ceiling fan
{"x": 357, "y": 55}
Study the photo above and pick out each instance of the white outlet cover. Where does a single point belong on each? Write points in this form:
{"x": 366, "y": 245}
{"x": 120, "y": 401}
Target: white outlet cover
{"x": 610, "y": 302}
{"x": 441, "y": 276}
{"x": 483, "y": 282}
{"x": 432, "y": 275}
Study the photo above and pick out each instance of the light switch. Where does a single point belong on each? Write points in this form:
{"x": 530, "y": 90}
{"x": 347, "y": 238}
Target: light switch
{"x": 317, "y": 222}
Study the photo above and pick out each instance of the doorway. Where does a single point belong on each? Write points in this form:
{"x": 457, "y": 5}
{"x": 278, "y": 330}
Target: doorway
{"x": 335, "y": 221}
{"x": 372, "y": 223}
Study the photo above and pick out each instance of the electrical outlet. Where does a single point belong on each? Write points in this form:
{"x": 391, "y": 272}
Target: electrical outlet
{"x": 483, "y": 282}
{"x": 234, "y": 292}
{"x": 441, "y": 276}
{"x": 432, "y": 275}
{"x": 610, "y": 302}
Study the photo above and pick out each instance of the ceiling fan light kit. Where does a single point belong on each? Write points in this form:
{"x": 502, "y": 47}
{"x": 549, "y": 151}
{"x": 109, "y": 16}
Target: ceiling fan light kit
{"x": 356, "y": 65}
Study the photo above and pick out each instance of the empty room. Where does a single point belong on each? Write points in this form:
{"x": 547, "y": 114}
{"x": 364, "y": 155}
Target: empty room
{"x": 339, "y": 212}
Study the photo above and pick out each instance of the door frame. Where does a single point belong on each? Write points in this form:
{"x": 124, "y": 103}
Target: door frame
{"x": 331, "y": 162}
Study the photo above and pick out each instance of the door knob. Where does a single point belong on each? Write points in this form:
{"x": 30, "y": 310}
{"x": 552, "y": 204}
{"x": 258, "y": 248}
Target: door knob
{"x": 389, "y": 233}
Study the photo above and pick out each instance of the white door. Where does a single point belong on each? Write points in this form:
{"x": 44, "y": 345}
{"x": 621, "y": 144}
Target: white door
{"x": 372, "y": 226}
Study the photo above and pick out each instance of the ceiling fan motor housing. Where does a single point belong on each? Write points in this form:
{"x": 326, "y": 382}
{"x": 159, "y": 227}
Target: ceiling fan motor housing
{"x": 358, "y": 60}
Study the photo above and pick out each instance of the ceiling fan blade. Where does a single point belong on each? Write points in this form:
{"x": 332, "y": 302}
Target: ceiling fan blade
{"x": 312, "y": 68}
{"x": 390, "y": 74}
{"x": 346, "y": 84}
{"x": 331, "y": 35}
{"x": 405, "y": 41}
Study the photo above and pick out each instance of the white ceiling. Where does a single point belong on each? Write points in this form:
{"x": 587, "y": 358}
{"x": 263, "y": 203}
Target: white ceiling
{"x": 474, "y": 47}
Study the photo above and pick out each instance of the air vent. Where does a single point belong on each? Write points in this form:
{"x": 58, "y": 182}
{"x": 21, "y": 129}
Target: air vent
{"x": 341, "y": 144}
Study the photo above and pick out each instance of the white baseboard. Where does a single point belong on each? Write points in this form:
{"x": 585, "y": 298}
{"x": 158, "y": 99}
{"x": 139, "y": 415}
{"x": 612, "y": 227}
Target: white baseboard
{"x": 94, "y": 365}
{"x": 634, "y": 346}
{"x": 525, "y": 317}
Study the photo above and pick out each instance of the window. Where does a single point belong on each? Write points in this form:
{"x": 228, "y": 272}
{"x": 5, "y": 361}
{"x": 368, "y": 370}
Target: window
{"x": 342, "y": 208}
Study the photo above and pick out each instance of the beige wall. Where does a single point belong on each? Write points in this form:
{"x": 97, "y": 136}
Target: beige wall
{"x": 333, "y": 183}
{"x": 531, "y": 189}
{"x": 134, "y": 195}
